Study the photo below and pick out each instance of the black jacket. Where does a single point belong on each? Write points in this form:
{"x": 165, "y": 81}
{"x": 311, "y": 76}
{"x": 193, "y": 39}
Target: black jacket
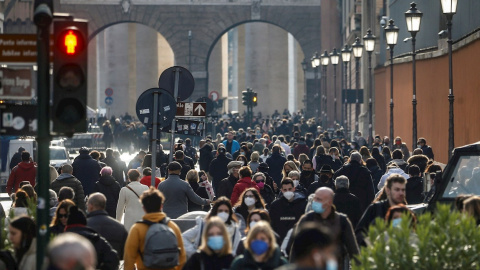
{"x": 374, "y": 210}
{"x": 361, "y": 184}
{"x": 202, "y": 261}
{"x": 108, "y": 186}
{"x": 381, "y": 162}
{"x": 275, "y": 166}
{"x": 68, "y": 180}
{"x": 116, "y": 168}
{"x": 225, "y": 188}
{"x": 191, "y": 205}
{"x": 285, "y": 214}
{"x": 87, "y": 170}
{"x": 268, "y": 195}
{"x": 318, "y": 184}
{"x": 185, "y": 168}
{"x": 206, "y": 157}
{"x": 218, "y": 170}
{"x": 427, "y": 151}
{"x": 107, "y": 257}
{"x": 321, "y": 160}
{"x": 414, "y": 190}
{"x": 202, "y": 192}
{"x": 16, "y": 158}
{"x": 109, "y": 228}
{"x": 376, "y": 176}
{"x": 246, "y": 262}
{"x": 347, "y": 203}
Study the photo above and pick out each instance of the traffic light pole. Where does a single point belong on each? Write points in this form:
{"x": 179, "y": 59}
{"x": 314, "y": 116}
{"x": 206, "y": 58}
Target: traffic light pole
{"x": 43, "y": 19}
{"x": 175, "y": 96}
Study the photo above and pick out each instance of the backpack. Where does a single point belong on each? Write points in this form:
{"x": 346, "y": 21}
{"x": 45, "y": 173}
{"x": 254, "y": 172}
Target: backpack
{"x": 161, "y": 249}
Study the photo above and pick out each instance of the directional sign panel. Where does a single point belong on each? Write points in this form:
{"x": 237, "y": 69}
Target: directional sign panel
{"x": 18, "y": 119}
{"x": 191, "y": 109}
{"x": 187, "y": 127}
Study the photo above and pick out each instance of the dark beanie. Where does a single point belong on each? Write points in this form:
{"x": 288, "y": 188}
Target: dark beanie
{"x": 76, "y": 216}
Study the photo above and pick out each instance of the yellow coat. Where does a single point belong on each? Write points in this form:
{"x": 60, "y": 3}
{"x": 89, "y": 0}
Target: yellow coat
{"x": 136, "y": 242}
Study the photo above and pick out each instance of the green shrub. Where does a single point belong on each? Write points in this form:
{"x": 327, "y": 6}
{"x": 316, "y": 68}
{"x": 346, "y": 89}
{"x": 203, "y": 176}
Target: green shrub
{"x": 444, "y": 240}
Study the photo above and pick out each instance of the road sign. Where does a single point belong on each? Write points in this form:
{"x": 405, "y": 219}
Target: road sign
{"x": 213, "y": 95}
{"x": 209, "y": 102}
{"x": 166, "y": 107}
{"x": 109, "y": 92}
{"x": 16, "y": 84}
{"x": 20, "y": 48}
{"x": 191, "y": 109}
{"x": 187, "y": 127}
{"x": 109, "y": 101}
{"x": 18, "y": 119}
{"x": 186, "y": 83}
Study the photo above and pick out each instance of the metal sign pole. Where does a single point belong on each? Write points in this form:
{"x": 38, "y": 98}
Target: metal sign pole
{"x": 154, "y": 137}
{"x": 175, "y": 96}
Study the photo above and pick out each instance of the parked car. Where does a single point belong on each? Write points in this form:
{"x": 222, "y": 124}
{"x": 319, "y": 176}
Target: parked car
{"x": 59, "y": 156}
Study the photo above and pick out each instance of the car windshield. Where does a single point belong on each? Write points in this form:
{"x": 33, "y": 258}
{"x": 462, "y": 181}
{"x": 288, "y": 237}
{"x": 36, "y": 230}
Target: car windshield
{"x": 465, "y": 178}
{"x": 56, "y": 154}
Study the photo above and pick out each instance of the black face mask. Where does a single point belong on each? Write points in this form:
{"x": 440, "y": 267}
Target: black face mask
{"x": 307, "y": 173}
{"x": 324, "y": 178}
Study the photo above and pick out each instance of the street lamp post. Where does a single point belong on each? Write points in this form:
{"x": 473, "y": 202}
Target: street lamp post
{"x": 346, "y": 55}
{"x": 413, "y": 18}
{"x": 357, "y": 53}
{"x": 369, "y": 42}
{"x": 315, "y": 64}
{"x": 335, "y": 57}
{"x": 324, "y": 60}
{"x": 449, "y": 8}
{"x": 391, "y": 33}
{"x": 304, "y": 67}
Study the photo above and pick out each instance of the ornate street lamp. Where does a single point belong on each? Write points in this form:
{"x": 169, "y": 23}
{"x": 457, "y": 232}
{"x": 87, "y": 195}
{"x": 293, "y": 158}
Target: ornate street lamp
{"x": 357, "y": 47}
{"x": 413, "y": 18}
{"x": 369, "y": 43}
{"x": 335, "y": 57}
{"x": 391, "y": 33}
{"x": 315, "y": 64}
{"x": 346, "y": 55}
{"x": 449, "y": 8}
{"x": 324, "y": 60}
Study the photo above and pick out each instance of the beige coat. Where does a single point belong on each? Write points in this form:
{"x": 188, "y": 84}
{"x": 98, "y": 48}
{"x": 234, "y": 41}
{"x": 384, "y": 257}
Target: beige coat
{"x": 129, "y": 203}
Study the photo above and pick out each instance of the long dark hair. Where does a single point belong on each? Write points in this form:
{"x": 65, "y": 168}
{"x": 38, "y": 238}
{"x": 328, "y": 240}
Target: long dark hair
{"x": 28, "y": 228}
{"x": 259, "y": 204}
{"x": 219, "y": 202}
{"x": 147, "y": 161}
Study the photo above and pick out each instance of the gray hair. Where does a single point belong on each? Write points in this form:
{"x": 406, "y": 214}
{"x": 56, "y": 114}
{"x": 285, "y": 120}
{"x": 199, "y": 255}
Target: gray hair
{"x": 294, "y": 173}
{"x": 355, "y": 156}
{"x": 259, "y": 174}
{"x": 68, "y": 247}
{"x": 97, "y": 200}
{"x": 342, "y": 182}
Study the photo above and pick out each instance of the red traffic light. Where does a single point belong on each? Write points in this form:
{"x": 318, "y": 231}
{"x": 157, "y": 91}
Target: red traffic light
{"x": 71, "y": 41}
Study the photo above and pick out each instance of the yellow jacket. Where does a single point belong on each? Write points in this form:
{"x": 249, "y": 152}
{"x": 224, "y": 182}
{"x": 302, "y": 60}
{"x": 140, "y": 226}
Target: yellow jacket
{"x": 136, "y": 241}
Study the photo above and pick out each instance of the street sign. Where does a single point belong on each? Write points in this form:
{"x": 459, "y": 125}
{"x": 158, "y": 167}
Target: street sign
{"x": 109, "y": 101}
{"x": 186, "y": 83}
{"x": 20, "y": 48}
{"x": 213, "y": 95}
{"x": 18, "y": 119}
{"x": 16, "y": 84}
{"x": 191, "y": 109}
{"x": 109, "y": 92}
{"x": 166, "y": 107}
{"x": 209, "y": 102}
{"x": 187, "y": 127}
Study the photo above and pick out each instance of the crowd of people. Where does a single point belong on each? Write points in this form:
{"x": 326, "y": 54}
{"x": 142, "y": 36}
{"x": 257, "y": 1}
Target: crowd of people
{"x": 292, "y": 199}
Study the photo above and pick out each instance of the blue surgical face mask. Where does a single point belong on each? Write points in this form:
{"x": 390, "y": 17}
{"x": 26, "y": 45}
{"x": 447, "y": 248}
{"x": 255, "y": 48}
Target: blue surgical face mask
{"x": 317, "y": 207}
{"x": 331, "y": 265}
{"x": 396, "y": 222}
{"x": 259, "y": 247}
{"x": 215, "y": 242}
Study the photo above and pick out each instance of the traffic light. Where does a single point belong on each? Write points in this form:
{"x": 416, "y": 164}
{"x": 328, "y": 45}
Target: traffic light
{"x": 254, "y": 99}
{"x": 246, "y": 98}
{"x": 69, "y": 112}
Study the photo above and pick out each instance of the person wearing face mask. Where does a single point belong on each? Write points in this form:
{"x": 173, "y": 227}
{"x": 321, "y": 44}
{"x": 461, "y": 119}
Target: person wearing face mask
{"x": 325, "y": 180}
{"x": 222, "y": 208}
{"x": 336, "y": 160}
{"x": 307, "y": 176}
{"x": 402, "y": 146}
{"x": 249, "y": 201}
{"x": 394, "y": 216}
{"x": 253, "y": 218}
{"x": 266, "y": 190}
{"x": 242, "y": 184}
{"x": 261, "y": 252}
{"x": 324, "y": 213}
{"x": 287, "y": 209}
{"x": 215, "y": 252}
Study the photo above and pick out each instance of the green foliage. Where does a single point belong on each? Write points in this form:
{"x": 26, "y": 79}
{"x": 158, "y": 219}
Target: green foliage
{"x": 445, "y": 240}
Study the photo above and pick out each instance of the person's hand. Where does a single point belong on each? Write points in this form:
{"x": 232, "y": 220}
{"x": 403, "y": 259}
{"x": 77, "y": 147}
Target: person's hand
{"x": 275, "y": 187}
{"x": 208, "y": 201}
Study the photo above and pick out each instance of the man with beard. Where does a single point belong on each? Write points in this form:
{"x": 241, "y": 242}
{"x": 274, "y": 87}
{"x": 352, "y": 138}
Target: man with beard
{"x": 395, "y": 189}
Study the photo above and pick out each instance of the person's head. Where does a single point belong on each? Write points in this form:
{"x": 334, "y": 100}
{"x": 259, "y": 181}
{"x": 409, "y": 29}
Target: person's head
{"x": 116, "y": 155}
{"x": 288, "y": 188}
{"x": 250, "y": 197}
{"x": 261, "y": 240}
{"x": 21, "y": 231}
{"x": 243, "y": 159}
{"x": 421, "y": 142}
{"x": 66, "y": 193}
{"x": 254, "y": 217}
{"x": 109, "y": 152}
{"x": 342, "y": 182}
{"x": 21, "y": 199}
{"x": 152, "y": 200}
{"x": 202, "y": 176}
{"x": 230, "y": 136}
{"x": 30, "y": 192}
{"x": 147, "y": 171}
{"x": 53, "y": 198}
{"x": 133, "y": 175}
{"x": 223, "y": 209}
{"x": 417, "y": 151}
{"x": 307, "y": 166}
{"x": 333, "y": 151}
{"x": 413, "y": 170}
{"x": 398, "y": 140}
{"x": 233, "y": 167}
{"x": 459, "y": 201}
{"x": 288, "y": 167}
{"x": 192, "y": 176}
{"x": 61, "y": 213}
{"x": 355, "y": 157}
{"x": 375, "y": 152}
{"x": 179, "y": 155}
{"x": 66, "y": 168}
{"x": 106, "y": 171}
{"x": 394, "y": 215}
{"x": 275, "y": 149}
{"x": 364, "y": 151}
{"x": 245, "y": 171}
{"x": 254, "y": 157}
{"x": 471, "y": 206}
{"x": 295, "y": 176}
{"x": 259, "y": 178}
{"x": 395, "y": 188}
{"x": 96, "y": 201}
{"x": 147, "y": 161}
{"x": 174, "y": 168}
{"x": 76, "y": 216}
{"x": 371, "y": 162}
{"x": 313, "y": 245}
{"x": 323, "y": 200}
{"x": 20, "y": 149}
{"x": 386, "y": 151}
{"x": 95, "y": 154}
{"x": 71, "y": 251}
{"x": 25, "y": 156}
{"x": 215, "y": 238}
{"x": 320, "y": 150}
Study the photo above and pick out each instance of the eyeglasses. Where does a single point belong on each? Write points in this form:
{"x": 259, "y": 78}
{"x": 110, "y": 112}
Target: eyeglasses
{"x": 62, "y": 215}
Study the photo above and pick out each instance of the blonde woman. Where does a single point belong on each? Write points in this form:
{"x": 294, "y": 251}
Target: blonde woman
{"x": 261, "y": 251}
{"x": 254, "y": 161}
{"x": 288, "y": 167}
{"x": 215, "y": 252}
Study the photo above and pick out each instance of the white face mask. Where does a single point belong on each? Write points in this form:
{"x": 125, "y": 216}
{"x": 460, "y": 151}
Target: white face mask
{"x": 288, "y": 195}
{"x": 295, "y": 183}
{"x": 249, "y": 201}
{"x": 224, "y": 216}
{"x": 252, "y": 223}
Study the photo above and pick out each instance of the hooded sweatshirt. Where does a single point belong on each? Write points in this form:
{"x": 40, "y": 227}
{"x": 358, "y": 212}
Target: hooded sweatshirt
{"x": 24, "y": 171}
